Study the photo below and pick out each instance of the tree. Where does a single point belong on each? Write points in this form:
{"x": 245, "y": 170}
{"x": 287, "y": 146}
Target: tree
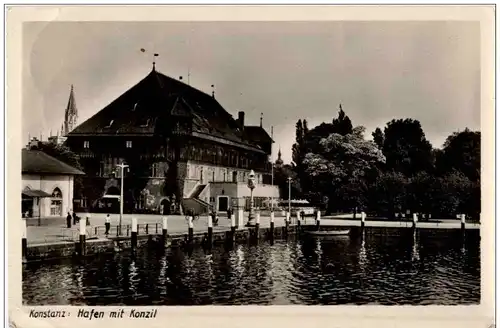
{"x": 452, "y": 195}
{"x": 462, "y": 152}
{"x": 281, "y": 175}
{"x": 420, "y": 192}
{"x": 65, "y": 155}
{"x": 342, "y": 124}
{"x": 341, "y": 162}
{"x": 298, "y": 148}
{"x": 387, "y": 195}
{"x": 405, "y": 147}
{"x": 378, "y": 138}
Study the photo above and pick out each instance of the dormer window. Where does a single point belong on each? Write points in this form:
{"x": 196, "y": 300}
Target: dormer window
{"x": 128, "y": 144}
{"x": 110, "y": 123}
{"x": 86, "y": 144}
{"x": 144, "y": 123}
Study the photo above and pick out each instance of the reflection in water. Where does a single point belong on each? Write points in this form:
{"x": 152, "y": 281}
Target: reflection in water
{"x": 381, "y": 267}
{"x": 362, "y": 254}
{"x": 414, "y": 252}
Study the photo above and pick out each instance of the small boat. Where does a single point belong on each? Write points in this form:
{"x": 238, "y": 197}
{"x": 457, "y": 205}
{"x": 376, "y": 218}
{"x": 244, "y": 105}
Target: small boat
{"x": 329, "y": 232}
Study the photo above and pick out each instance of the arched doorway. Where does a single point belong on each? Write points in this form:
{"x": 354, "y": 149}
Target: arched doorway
{"x": 56, "y": 203}
{"x": 165, "y": 207}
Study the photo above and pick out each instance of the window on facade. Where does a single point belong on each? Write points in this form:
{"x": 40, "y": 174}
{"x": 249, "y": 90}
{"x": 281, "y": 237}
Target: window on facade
{"x": 128, "y": 144}
{"x": 86, "y": 144}
{"x": 56, "y": 203}
{"x": 212, "y": 199}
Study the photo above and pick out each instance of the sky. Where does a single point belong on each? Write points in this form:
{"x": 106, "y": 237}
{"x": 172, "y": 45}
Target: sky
{"x": 378, "y": 71}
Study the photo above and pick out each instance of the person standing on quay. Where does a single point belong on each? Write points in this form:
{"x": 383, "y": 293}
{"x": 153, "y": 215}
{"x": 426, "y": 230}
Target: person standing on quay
{"x": 68, "y": 220}
{"x": 107, "y": 224}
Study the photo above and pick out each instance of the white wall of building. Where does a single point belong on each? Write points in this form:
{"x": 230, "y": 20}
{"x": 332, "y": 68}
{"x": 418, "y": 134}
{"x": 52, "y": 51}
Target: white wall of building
{"x": 49, "y": 183}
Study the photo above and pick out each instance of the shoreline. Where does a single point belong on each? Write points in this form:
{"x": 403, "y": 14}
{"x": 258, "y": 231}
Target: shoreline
{"x": 50, "y": 251}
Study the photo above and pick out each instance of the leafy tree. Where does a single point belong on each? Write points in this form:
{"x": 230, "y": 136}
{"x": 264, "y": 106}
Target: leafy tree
{"x": 462, "y": 152}
{"x": 378, "y": 138}
{"x": 452, "y": 195}
{"x": 281, "y": 175}
{"x": 342, "y": 124}
{"x": 406, "y": 148}
{"x": 387, "y": 195}
{"x": 341, "y": 164}
{"x": 420, "y": 192}
{"x": 298, "y": 148}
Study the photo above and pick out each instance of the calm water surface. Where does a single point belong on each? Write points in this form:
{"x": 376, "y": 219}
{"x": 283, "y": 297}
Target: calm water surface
{"x": 387, "y": 267}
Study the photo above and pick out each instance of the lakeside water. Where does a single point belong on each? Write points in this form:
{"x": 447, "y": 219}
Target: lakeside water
{"x": 386, "y": 267}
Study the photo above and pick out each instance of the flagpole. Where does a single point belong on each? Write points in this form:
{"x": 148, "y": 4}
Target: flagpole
{"x": 272, "y": 167}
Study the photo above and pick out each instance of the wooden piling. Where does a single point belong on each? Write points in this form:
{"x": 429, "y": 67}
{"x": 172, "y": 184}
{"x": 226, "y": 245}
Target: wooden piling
{"x": 164, "y": 230}
{"x": 318, "y": 219}
{"x": 24, "y": 240}
{"x": 83, "y": 228}
{"x": 233, "y": 226}
{"x": 190, "y": 229}
{"x": 363, "y": 218}
{"x": 272, "y": 226}
{"x": 415, "y": 220}
{"x": 257, "y": 225}
{"x": 133, "y": 239}
{"x": 462, "y": 222}
{"x": 210, "y": 230}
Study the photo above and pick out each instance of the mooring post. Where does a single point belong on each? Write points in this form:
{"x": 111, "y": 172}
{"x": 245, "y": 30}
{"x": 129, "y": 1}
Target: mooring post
{"x": 190, "y": 229}
{"x": 164, "y": 230}
{"x": 462, "y": 222}
{"x": 24, "y": 240}
{"x": 83, "y": 228}
{"x": 210, "y": 229}
{"x": 415, "y": 220}
{"x": 240, "y": 220}
{"x": 257, "y": 225}
{"x": 318, "y": 219}
{"x": 287, "y": 222}
{"x": 297, "y": 214}
{"x": 233, "y": 226}
{"x": 272, "y": 225}
{"x": 363, "y": 218}
{"x": 133, "y": 239}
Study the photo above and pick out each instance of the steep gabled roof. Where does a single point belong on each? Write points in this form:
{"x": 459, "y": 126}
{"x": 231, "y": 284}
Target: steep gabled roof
{"x": 149, "y": 106}
{"x": 257, "y": 133}
{"x": 38, "y": 162}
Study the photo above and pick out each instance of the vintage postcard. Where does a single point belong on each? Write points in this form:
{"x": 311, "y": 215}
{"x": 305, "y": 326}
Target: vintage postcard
{"x": 250, "y": 165}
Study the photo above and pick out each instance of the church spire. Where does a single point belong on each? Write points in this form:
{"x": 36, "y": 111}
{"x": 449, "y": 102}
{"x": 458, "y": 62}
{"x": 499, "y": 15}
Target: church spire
{"x": 71, "y": 113}
{"x": 279, "y": 161}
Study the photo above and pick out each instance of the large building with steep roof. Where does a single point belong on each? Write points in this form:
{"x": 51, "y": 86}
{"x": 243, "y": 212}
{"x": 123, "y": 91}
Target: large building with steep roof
{"x": 181, "y": 145}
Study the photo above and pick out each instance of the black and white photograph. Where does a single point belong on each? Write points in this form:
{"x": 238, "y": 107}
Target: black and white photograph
{"x": 277, "y": 162}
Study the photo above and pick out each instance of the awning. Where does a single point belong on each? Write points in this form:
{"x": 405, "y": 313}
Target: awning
{"x": 35, "y": 193}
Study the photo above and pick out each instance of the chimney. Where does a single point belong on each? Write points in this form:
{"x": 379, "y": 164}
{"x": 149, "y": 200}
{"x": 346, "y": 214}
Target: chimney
{"x": 241, "y": 119}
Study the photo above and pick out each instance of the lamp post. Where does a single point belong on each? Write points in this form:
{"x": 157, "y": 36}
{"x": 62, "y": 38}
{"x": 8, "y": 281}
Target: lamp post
{"x": 122, "y": 166}
{"x": 251, "y": 186}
